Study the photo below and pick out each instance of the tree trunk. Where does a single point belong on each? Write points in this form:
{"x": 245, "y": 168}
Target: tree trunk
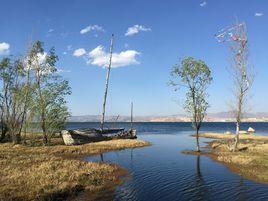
{"x": 2, "y": 137}
{"x": 3, "y": 132}
{"x": 197, "y": 141}
{"x": 45, "y": 139}
{"x": 43, "y": 126}
{"x": 43, "y": 119}
{"x": 16, "y": 138}
{"x": 3, "y": 128}
{"x": 236, "y": 139}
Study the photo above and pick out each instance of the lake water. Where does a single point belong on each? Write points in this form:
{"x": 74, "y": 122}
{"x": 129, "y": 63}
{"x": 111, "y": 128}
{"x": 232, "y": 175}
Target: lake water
{"x": 162, "y": 172}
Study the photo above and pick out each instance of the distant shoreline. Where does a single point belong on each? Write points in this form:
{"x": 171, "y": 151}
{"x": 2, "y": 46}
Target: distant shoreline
{"x": 166, "y": 122}
{"x": 211, "y": 117}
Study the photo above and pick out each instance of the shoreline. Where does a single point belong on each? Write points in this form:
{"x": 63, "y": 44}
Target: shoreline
{"x": 30, "y": 173}
{"x": 250, "y": 162}
{"x": 152, "y": 121}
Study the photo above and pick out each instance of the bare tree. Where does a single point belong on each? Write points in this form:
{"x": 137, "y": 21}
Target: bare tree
{"x": 195, "y": 76}
{"x": 241, "y": 71}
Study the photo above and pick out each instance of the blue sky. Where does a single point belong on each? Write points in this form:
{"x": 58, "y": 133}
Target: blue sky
{"x": 166, "y": 31}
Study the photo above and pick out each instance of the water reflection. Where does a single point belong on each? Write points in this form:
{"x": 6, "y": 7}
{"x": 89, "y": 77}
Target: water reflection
{"x": 161, "y": 172}
{"x": 197, "y": 188}
{"x": 241, "y": 190}
{"x": 101, "y": 157}
{"x": 202, "y": 189}
{"x": 198, "y": 171}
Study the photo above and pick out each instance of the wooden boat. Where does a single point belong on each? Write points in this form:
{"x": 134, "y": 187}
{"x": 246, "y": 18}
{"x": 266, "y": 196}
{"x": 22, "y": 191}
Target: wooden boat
{"x": 80, "y": 136}
{"x": 110, "y": 130}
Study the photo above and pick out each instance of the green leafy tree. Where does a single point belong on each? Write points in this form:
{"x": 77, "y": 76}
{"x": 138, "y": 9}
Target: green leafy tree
{"x": 195, "y": 76}
{"x": 12, "y": 75}
{"x": 49, "y": 105}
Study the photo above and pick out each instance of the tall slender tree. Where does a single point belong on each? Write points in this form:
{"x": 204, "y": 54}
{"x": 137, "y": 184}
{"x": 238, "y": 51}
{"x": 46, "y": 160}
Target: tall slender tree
{"x": 195, "y": 76}
{"x": 241, "y": 71}
{"x": 49, "y": 91}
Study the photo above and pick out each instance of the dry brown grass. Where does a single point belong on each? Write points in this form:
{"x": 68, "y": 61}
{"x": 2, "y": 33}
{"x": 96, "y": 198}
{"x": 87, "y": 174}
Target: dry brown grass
{"x": 46, "y": 173}
{"x": 230, "y": 136}
{"x": 252, "y": 159}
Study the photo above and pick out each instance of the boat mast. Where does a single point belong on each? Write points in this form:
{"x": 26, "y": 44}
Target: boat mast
{"x": 107, "y": 82}
{"x": 131, "y": 117}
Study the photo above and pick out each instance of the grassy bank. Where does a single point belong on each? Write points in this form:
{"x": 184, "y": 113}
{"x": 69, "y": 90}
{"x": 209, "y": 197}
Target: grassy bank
{"x": 230, "y": 136}
{"x": 46, "y": 173}
{"x": 251, "y": 161}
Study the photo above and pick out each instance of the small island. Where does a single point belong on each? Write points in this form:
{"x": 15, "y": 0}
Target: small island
{"x": 251, "y": 161}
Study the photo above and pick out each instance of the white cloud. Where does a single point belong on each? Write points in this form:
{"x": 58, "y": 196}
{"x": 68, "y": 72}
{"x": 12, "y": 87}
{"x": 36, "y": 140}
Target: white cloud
{"x": 4, "y": 48}
{"x": 45, "y": 67}
{"x": 100, "y": 57}
{"x": 79, "y": 52}
{"x": 39, "y": 61}
{"x": 50, "y": 30}
{"x": 91, "y": 28}
{"x": 203, "y": 4}
{"x": 259, "y": 14}
{"x": 41, "y": 57}
{"x": 64, "y": 53}
{"x": 136, "y": 29}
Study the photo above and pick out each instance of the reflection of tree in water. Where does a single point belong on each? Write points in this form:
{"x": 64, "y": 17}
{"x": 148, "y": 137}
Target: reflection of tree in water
{"x": 101, "y": 157}
{"x": 198, "y": 172}
{"x": 201, "y": 190}
{"x": 118, "y": 156}
{"x": 131, "y": 155}
{"x": 241, "y": 190}
{"x": 197, "y": 188}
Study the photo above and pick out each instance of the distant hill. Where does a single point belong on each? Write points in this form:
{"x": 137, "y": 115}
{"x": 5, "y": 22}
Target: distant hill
{"x": 211, "y": 117}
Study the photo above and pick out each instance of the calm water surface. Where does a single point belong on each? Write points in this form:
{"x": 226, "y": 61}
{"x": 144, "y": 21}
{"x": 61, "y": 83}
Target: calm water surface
{"x": 162, "y": 172}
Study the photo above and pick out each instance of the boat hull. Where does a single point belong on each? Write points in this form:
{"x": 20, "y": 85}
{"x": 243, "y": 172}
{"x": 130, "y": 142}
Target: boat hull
{"x": 83, "y": 136}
